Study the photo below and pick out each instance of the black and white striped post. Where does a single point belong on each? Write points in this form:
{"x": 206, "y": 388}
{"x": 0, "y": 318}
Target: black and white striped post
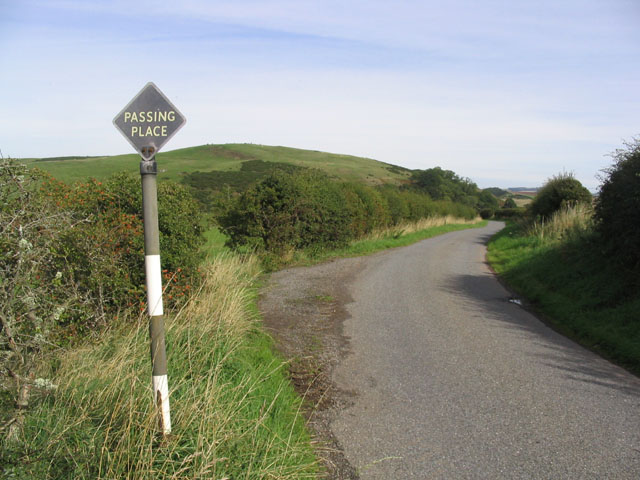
{"x": 148, "y": 122}
{"x": 153, "y": 273}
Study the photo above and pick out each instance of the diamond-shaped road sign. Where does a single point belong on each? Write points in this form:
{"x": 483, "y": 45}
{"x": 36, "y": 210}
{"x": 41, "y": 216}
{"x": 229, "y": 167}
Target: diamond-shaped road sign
{"x": 149, "y": 121}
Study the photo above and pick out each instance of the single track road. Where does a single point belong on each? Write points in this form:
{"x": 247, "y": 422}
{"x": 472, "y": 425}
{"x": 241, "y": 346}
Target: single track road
{"x": 450, "y": 380}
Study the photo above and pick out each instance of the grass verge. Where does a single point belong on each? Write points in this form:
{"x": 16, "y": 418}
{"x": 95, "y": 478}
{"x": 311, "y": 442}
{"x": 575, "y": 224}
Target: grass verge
{"x": 234, "y": 413}
{"x": 563, "y": 275}
{"x": 398, "y": 236}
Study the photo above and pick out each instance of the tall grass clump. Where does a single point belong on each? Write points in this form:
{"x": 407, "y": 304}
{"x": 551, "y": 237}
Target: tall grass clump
{"x": 569, "y": 222}
{"x": 409, "y": 227}
{"x": 234, "y": 414}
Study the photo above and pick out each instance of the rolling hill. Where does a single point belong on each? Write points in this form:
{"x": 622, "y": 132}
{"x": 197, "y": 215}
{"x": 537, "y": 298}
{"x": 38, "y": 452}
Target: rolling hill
{"x": 225, "y": 158}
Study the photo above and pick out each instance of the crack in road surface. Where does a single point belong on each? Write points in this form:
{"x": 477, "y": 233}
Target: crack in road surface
{"x": 420, "y": 367}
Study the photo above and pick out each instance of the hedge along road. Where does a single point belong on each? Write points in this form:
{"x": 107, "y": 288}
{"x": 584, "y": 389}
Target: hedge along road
{"x": 454, "y": 381}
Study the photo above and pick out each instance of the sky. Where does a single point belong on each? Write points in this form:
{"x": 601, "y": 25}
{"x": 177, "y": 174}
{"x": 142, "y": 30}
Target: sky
{"x": 505, "y": 92}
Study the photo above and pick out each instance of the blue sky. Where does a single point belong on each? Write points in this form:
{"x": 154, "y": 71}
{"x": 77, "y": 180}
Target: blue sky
{"x": 507, "y": 93}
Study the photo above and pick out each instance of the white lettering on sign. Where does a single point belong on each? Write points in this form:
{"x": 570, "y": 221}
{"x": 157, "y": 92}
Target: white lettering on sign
{"x": 157, "y": 116}
{"x": 157, "y": 131}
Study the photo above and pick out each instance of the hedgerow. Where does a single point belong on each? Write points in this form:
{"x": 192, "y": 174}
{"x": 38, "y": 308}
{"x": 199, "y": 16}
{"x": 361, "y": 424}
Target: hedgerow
{"x": 618, "y": 207}
{"x": 308, "y": 210}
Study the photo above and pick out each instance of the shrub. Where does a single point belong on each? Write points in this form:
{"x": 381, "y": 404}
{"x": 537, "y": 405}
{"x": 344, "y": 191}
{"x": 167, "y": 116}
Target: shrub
{"x": 487, "y": 204}
{"x": 419, "y": 205}
{"x": 505, "y": 213}
{"x": 559, "y": 191}
{"x": 510, "y": 203}
{"x": 487, "y": 213}
{"x": 287, "y": 211}
{"x": 618, "y": 206}
{"x": 324, "y": 217}
{"x": 102, "y": 257}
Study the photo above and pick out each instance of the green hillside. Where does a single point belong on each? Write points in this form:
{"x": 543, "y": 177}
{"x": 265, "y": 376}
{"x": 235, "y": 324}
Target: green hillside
{"x": 230, "y": 157}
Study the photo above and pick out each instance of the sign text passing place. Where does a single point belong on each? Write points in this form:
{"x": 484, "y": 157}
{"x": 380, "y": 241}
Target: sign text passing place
{"x": 149, "y": 121}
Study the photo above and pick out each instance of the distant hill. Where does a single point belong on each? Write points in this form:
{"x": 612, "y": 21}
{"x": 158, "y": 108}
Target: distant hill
{"x": 190, "y": 162}
{"x": 497, "y": 192}
{"x": 524, "y": 190}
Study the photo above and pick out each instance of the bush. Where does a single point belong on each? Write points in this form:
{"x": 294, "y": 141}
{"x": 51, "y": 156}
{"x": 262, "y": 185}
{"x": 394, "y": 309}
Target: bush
{"x": 487, "y": 204}
{"x": 559, "y": 191}
{"x": 419, "y": 205}
{"x": 102, "y": 257}
{"x": 487, "y": 213}
{"x": 510, "y": 203}
{"x": 511, "y": 213}
{"x": 618, "y": 207}
{"x": 288, "y": 211}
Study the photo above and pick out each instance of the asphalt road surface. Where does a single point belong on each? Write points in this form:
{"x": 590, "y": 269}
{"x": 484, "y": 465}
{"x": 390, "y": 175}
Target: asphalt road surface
{"x": 453, "y": 381}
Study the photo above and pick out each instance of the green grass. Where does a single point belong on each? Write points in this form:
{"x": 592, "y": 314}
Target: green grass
{"x": 214, "y": 243}
{"x": 369, "y": 246}
{"x": 207, "y": 158}
{"x": 578, "y": 291}
{"x": 234, "y": 413}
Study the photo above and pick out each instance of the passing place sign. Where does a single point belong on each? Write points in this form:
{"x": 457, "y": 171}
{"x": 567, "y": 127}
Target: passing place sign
{"x": 149, "y": 121}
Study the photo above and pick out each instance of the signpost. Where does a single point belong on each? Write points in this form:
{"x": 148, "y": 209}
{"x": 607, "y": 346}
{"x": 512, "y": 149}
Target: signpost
{"x": 148, "y": 122}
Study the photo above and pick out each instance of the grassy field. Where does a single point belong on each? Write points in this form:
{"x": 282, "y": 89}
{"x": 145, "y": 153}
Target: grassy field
{"x": 561, "y": 272}
{"x": 234, "y": 412}
{"x": 206, "y": 158}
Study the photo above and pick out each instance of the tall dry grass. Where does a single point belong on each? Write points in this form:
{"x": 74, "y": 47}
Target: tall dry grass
{"x": 569, "y": 222}
{"x": 234, "y": 414}
{"x": 407, "y": 228}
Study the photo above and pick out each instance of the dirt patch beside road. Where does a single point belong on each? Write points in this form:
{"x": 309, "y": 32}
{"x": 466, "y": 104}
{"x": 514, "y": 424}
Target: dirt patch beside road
{"x": 304, "y": 310}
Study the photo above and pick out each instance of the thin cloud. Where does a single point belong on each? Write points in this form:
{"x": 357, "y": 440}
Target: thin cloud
{"x": 490, "y": 89}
